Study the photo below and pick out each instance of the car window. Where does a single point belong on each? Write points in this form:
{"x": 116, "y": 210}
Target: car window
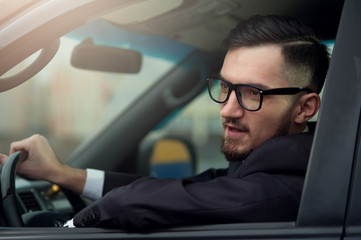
{"x": 69, "y": 105}
{"x": 200, "y": 123}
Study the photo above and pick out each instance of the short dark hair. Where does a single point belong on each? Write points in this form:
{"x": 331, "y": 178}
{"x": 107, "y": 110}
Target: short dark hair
{"x": 306, "y": 58}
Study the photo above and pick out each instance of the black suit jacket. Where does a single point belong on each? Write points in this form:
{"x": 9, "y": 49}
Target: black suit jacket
{"x": 267, "y": 186}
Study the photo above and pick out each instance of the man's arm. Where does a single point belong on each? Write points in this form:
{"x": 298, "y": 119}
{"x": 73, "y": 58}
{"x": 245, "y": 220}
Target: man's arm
{"x": 267, "y": 189}
{"x": 157, "y": 203}
{"x": 42, "y": 164}
{"x": 117, "y": 179}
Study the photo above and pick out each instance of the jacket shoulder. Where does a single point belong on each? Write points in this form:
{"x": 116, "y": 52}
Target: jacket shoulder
{"x": 284, "y": 154}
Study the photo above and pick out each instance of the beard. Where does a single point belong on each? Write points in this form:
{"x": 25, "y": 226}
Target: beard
{"x": 229, "y": 146}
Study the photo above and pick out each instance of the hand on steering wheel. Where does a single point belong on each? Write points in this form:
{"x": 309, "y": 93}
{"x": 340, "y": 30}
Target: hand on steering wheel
{"x": 9, "y": 203}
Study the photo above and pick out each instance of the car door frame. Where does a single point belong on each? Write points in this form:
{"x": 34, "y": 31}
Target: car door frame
{"x": 330, "y": 193}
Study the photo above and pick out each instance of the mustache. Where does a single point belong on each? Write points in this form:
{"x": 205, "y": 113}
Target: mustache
{"x": 236, "y": 123}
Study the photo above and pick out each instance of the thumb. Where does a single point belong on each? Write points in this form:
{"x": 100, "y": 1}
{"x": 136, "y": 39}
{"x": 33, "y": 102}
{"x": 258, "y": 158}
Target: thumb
{"x": 3, "y": 158}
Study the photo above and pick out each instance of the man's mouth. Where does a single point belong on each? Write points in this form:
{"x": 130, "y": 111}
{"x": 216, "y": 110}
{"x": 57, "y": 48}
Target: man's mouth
{"x": 235, "y": 131}
{"x": 233, "y": 128}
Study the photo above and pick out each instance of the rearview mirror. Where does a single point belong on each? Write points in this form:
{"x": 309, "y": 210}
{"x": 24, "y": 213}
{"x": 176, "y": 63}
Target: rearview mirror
{"x": 89, "y": 56}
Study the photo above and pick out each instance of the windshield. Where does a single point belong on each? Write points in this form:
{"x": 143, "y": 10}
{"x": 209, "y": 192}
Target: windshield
{"x": 68, "y": 105}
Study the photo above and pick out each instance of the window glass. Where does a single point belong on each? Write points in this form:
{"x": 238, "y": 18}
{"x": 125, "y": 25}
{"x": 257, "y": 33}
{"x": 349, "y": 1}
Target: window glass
{"x": 200, "y": 122}
{"x": 68, "y": 105}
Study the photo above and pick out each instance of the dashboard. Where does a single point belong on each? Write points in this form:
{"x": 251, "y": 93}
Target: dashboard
{"x": 41, "y": 196}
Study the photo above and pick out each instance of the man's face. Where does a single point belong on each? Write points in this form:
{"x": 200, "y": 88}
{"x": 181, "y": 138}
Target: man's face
{"x": 244, "y": 130}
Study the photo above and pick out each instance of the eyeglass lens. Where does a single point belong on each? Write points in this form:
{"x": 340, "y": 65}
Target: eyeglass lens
{"x": 248, "y": 96}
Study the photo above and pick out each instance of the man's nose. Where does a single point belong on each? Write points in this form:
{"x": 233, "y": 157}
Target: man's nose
{"x": 232, "y": 108}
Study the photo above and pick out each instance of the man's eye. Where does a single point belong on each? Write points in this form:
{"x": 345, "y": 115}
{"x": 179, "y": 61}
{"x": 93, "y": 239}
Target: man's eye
{"x": 254, "y": 92}
{"x": 224, "y": 86}
{"x": 251, "y": 91}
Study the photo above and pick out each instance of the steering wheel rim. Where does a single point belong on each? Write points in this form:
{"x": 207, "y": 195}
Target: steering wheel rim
{"x": 11, "y": 211}
{"x": 45, "y": 56}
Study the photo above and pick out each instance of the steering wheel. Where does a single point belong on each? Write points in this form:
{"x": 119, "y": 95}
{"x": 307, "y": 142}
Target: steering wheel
{"x": 33, "y": 219}
{"x": 10, "y": 209}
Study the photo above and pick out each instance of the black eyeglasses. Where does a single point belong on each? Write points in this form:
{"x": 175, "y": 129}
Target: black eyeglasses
{"x": 249, "y": 97}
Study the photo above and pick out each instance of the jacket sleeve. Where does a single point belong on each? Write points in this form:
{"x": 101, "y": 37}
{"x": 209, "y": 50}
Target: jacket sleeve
{"x": 117, "y": 179}
{"x": 148, "y": 203}
{"x": 157, "y": 203}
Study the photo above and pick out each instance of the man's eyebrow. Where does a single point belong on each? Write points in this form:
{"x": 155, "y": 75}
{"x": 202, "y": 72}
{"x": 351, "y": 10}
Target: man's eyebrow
{"x": 258, "y": 85}
{"x": 219, "y": 75}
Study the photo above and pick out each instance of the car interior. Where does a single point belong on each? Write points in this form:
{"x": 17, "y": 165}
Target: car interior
{"x": 119, "y": 85}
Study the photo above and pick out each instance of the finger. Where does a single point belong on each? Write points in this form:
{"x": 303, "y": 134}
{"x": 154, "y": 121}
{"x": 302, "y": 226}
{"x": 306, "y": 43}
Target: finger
{"x": 23, "y": 156}
{"x": 14, "y": 148}
{"x": 18, "y": 146}
{"x": 3, "y": 158}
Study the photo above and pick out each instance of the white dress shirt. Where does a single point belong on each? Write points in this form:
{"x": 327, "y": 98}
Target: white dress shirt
{"x": 94, "y": 182}
{"x": 93, "y": 188}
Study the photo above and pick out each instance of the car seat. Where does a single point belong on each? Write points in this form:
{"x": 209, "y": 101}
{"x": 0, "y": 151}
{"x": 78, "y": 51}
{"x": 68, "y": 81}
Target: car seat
{"x": 166, "y": 157}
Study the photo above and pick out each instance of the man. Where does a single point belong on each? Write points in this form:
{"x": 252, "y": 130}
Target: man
{"x": 267, "y": 90}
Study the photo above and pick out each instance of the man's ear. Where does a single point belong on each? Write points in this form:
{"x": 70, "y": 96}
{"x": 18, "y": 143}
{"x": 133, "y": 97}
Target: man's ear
{"x": 307, "y": 107}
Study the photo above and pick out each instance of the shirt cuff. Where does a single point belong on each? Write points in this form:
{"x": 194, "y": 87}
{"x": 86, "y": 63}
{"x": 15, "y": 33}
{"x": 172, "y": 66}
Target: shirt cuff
{"x": 94, "y": 184}
{"x": 69, "y": 224}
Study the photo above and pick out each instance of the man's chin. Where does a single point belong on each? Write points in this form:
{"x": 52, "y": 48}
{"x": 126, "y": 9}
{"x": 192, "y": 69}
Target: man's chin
{"x": 231, "y": 151}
